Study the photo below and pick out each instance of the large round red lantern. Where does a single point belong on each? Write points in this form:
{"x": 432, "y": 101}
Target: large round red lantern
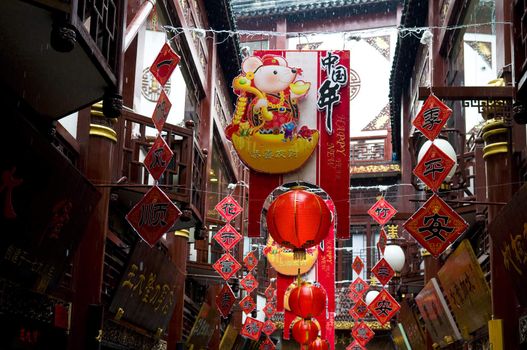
{"x": 319, "y": 344}
{"x": 305, "y": 331}
{"x": 307, "y": 300}
{"x": 298, "y": 219}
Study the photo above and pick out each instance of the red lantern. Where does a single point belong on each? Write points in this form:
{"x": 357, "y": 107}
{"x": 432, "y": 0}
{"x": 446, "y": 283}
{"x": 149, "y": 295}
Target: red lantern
{"x": 305, "y": 331}
{"x": 307, "y": 300}
{"x": 319, "y": 344}
{"x": 298, "y": 219}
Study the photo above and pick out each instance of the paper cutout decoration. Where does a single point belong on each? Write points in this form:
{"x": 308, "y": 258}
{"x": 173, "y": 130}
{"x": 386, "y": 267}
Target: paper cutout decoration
{"x": 383, "y": 307}
{"x": 362, "y": 333}
{"x": 269, "y": 327}
{"x": 432, "y": 116}
{"x": 267, "y": 344}
{"x": 359, "y": 287}
{"x": 249, "y": 283}
{"x": 382, "y": 211}
{"x": 228, "y": 208}
{"x": 247, "y": 304}
{"x": 164, "y": 64}
{"x": 383, "y": 271}
{"x": 161, "y": 111}
{"x": 153, "y": 216}
{"x": 355, "y": 346}
{"x": 383, "y": 241}
{"x": 269, "y": 309}
{"x": 225, "y": 300}
{"x": 435, "y": 225}
{"x": 226, "y": 266}
{"x": 265, "y": 129}
{"x": 227, "y": 237}
{"x": 250, "y": 261}
{"x": 357, "y": 265}
{"x": 359, "y": 310}
{"x": 252, "y": 328}
{"x": 158, "y": 158}
{"x": 270, "y": 292}
{"x": 434, "y": 167}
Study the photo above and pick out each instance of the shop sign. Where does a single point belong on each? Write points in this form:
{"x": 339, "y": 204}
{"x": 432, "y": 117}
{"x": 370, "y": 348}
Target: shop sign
{"x": 399, "y": 338}
{"x": 225, "y": 300}
{"x": 249, "y": 283}
{"x": 252, "y": 328}
{"x": 153, "y": 216}
{"x": 437, "y": 317}
{"x": 147, "y": 290}
{"x": 383, "y": 307}
{"x": 158, "y": 158}
{"x": 432, "y": 116}
{"x": 409, "y": 319}
{"x": 229, "y": 337}
{"x": 466, "y": 289}
{"x": 226, "y": 266}
{"x": 383, "y": 271}
{"x": 434, "y": 167}
{"x": 227, "y": 237}
{"x": 203, "y": 327}
{"x": 164, "y": 64}
{"x": 250, "y": 261}
{"x": 435, "y": 225}
{"x": 228, "y": 208}
{"x": 382, "y": 211}
{"x": 362, "y": 333}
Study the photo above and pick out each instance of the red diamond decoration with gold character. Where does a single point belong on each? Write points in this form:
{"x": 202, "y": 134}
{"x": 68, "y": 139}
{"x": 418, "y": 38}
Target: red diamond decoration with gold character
{"x": 432, "y": 116}
{"x": 226, "y": 266}
{"x": 247, "y": 304}
{"x": 359, "y": 287}
{"x": 357, "y": 265}
{"x": 434, "y": 167}
{"x": 267, "y": 344}
{"x": 435, "y": 225}
{"x": 158, "y": 158}
{"x": 225, "y": 300}
{"x": 269, "y": 292}
{"x": 383, "y": 240}
{"x": 249, "y": 283}
{"x": 362, "y": 333}
{"x": 228, "y": 208}
{"x": 164, "y": 64}
{"x": 227, "y": 237}
{"x": 355, "y": 346}
{"x": 359, "y": 310}
{"x": 383, "y": 271}
{"x": 153, "y": 216}
{"x": 250, "y": 261}
{"x": 269, "y": 309}
{"x": 382, "y": 211}
{"x": 252, "y": 328}
{"x": 161, "y": 111}
{"x": 383, "y": 307}
{"x": 269, "y": 327}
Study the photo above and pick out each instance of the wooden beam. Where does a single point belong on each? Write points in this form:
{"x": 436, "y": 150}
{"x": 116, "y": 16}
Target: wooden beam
{"x": 456, "y": 93}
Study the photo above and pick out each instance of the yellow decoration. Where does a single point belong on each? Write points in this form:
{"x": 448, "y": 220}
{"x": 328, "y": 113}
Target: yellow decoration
{"x": 392, "y": 231}
{"x": 282, "y": 260}
{"x": 496, "y": 334}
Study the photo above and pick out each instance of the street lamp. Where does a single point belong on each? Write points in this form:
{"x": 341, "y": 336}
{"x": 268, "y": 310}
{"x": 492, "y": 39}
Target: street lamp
{"x": 394, "y": 255}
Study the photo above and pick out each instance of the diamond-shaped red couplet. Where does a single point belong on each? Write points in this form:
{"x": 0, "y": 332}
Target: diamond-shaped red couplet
{"x": 247, "y": 304}
{"x": 382, "y": 211}
{"x": 357, "y": 265}
{"x": 435, "y": 225}
{"x": 355, "y": 346}
{"x": 160, "y": 114}
{"x": 252, "y": 328}
{"x": 225, "y": 300}
{"x": 383, "y": 271}
{"x": 359, "y": 287}
{"x": 353, "y": 296}
{"x": 432, "y": 116}
{"x": 383, "y": 307}
{"x": 360, "y": 309}
{"x": 434, "y": 167}
{"x": 267, "y": 345}
{"x": 164, "y": 64}
{"x": 362, "y": 333}
{"x": 383, "y": 240}
{"x": 269, "y": 310}
{"x": 153, "y": 216}
{"x": 228, "y": 208}
{"x": 270, "y": 292}
{"x": 226, "y": 266}
{"x": 250, "y": 261}
{"x": 269, "y": 327}
{"x": 158, "y": 158}
{"x": 227, "y": 237}
{"x": 249, "y": 283}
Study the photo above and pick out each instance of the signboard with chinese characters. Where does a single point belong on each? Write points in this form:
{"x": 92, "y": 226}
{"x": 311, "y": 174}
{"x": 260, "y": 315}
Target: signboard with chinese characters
{"x": 310, "y": 115}
{"x": 435, "y": 225}
{"x": 466, "y": 289}
{"x": 511, "y": 248}
{"x": 203, "y": 328}
{"x": 409, "y": 319}
{"x": 45, "y": 204}
{"x": 147, "y": 290}
{"x": 436, "y": 314}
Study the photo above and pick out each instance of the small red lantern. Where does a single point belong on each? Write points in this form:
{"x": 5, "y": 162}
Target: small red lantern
{"x": 298, "y": 219}
{"x": 305, "y": 331}
{"x": 319, "y": 344}
{"x": 307, "y": 300}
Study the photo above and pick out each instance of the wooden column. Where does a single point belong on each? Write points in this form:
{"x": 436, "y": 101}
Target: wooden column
{"x": 279, "y": 42}
{"x": 88, "y": 266}
{"x": 178, "y": 248}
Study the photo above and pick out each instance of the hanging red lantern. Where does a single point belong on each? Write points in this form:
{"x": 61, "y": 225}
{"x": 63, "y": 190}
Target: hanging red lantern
{"x": 319, "y": 344}
{"x": 305, "y": 331}
{"x": 298, "y": 219}
{"x": 307, "y": 300}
